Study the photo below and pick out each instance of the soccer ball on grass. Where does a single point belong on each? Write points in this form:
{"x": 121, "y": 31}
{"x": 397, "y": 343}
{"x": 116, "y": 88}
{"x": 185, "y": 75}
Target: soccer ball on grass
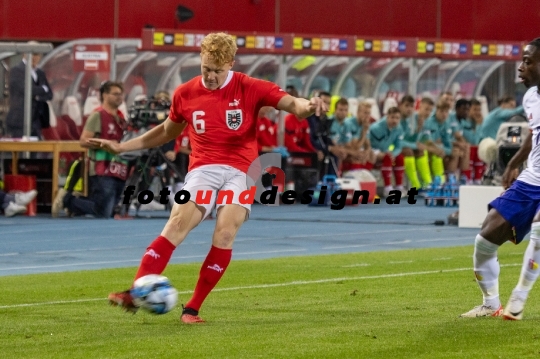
{"x": 154, "y": 293}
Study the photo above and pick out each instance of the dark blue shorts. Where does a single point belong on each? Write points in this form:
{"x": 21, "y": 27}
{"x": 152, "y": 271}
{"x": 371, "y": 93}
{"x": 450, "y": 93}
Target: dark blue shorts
{"x": 518, "y": 205}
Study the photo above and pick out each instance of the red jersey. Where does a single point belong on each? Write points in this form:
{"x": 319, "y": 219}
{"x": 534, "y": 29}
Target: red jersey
{"x": 182, "y": 140}
{"x": 222, "y": 123}
{"x": 297, "y": 137}
{"x": 266, "y": 133}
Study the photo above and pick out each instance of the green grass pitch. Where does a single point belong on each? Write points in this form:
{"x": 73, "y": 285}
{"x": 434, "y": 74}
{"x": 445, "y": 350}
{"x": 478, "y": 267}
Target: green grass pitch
{"x": 399, "y": 304}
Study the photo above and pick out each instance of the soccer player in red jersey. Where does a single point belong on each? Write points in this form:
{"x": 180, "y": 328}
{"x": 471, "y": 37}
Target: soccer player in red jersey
{"x": 267, "y": 130}
{"x": 220, "y": 109}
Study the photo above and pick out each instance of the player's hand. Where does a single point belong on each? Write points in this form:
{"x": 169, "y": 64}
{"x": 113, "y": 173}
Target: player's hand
{"x": 171, "y": 155}
{"x": 107, "y": 145}
{"x": 509, "y": 176}
{"x": 420, "y": 146}
{"x": 317, "y": 105}
{"x": 362, "y": 156}
{"x": 442, "y": 153}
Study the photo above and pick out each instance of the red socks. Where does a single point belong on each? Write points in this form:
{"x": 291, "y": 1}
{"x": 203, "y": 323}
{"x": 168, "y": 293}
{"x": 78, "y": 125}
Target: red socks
{"x": 386, "y": 170}
{"x": 388, "y": 167}
{"x": 156, "y": 257}
{"x": 476, "y": 164}
{"x": 212, "y": 270}
{"x": 399, "y": 169}
{"x": 158, "y": 254}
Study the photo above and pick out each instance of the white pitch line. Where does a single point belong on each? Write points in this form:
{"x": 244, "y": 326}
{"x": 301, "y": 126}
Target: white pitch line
{"x": 275, "y": 285}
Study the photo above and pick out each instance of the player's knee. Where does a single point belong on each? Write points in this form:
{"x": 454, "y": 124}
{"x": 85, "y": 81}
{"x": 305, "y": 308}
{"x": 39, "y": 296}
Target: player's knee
{"x": 224, "y": 238}
{"x": 178, "y": 221}
{"x": 484, "y": 247}
{"x": 407, "y": 152}
{"x": 497, "y": 229}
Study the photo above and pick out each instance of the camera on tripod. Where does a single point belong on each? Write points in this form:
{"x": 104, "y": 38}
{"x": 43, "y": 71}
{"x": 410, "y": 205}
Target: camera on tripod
{"x": 145, "y": 113}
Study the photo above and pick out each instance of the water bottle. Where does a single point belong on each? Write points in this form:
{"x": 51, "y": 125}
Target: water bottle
{"x": 430, "y": 194}
{"x": 449, "y": 201}
{"x": 455, "y": 195}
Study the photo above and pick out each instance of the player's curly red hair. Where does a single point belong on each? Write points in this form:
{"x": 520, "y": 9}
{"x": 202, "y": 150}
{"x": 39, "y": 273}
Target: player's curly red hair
{"x": 220, "y": 47}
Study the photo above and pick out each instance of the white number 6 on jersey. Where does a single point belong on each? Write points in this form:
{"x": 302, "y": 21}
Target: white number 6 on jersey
{"x": 198, "y": 122}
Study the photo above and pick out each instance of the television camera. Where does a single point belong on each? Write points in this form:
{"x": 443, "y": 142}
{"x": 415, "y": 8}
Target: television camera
{"x": 148, "y": 112}
{"x": 144, "y": 114}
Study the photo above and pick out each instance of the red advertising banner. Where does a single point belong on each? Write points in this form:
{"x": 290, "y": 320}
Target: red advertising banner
{"x": 91, "y": 58}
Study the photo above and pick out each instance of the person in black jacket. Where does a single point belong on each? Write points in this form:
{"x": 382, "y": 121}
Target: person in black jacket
{"x": 41, "y": 93}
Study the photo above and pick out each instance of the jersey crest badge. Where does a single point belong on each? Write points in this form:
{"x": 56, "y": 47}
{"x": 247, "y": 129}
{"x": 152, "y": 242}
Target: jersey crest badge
{"x": 233, "y": 118}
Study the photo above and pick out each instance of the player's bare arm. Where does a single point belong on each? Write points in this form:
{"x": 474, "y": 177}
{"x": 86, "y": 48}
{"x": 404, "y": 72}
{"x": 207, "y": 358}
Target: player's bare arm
{"x": 511, "y": 173}
{"x": 85, "y": 136}
{"x": 157, "y": 136}
{"x": 302, "y": 108}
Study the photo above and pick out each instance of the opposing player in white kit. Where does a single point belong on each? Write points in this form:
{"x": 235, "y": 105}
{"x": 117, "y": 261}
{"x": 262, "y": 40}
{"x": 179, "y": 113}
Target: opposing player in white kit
{"x": 516, "y": 211}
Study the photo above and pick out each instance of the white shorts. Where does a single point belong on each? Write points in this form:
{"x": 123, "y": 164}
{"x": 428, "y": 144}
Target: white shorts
{"x": 216, "y": 178}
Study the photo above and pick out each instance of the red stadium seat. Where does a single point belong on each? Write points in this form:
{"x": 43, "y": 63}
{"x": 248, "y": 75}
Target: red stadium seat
{"x": 71, "y": 108}
{"x": 62, "y": 128}
{"x": 72, "y": 127}
{"x": 50, "y": 134}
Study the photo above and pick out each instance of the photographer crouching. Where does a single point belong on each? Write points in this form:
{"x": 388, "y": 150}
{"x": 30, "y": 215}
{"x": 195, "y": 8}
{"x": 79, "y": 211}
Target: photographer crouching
{"x": 107, "y": 172}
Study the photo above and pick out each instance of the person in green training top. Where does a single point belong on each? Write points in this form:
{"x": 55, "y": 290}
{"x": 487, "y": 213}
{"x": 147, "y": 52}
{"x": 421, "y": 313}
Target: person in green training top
{"x": 415, "y": 148}
{"x": 386, "y": 138}
{"x": 492, "y": 122}
{"x": 440, "y": 145}
{"x": 362, "y": 156}
{"x": 471, "y": 132}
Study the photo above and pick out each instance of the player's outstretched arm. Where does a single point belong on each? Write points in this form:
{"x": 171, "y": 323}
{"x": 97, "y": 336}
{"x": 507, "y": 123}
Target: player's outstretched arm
{"x": 510, "y": 173}
{"x": 302, "y": 108}
{"x": 157, "y": 136}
